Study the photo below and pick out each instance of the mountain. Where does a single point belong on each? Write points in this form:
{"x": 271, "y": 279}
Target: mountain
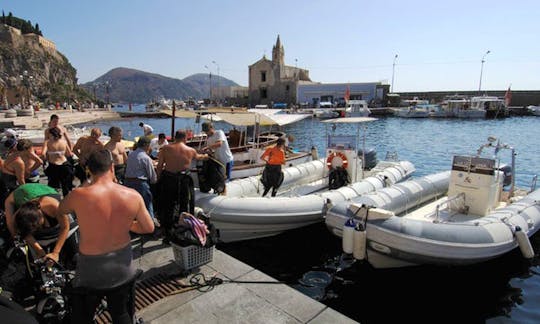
{"x": 130, "y": 85}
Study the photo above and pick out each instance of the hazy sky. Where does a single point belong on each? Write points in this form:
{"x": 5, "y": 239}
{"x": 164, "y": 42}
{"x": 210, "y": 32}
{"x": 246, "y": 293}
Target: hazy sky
{"x": 440, "y": 44}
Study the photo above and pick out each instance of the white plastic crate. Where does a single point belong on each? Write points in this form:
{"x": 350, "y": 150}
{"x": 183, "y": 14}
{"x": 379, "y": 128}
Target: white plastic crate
{"x": 192, "y": 256}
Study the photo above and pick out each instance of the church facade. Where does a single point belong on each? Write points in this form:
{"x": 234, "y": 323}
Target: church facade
{"x": 271, "y": 81}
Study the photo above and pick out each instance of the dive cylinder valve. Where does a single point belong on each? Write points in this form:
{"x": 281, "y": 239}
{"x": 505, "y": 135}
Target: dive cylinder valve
{"x": 348, "y": 233}
{"x": 359, "y": 242}
{"x": 524, "y": 243}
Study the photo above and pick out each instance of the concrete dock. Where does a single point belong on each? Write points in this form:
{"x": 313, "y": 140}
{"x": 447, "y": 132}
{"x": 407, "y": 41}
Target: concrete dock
{"x": 230, "y": 302}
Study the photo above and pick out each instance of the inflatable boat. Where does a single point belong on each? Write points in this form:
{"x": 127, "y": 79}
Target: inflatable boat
{"x": 468, "y": 215}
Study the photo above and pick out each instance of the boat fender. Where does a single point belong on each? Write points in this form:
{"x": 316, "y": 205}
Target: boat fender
{"x": 359, "y": 242}
{"x": 524, "y": 243}
{"x": 348, "y": 233}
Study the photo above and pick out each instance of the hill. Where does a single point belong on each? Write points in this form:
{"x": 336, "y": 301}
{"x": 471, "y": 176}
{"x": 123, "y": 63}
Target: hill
{"x": 31, "y": 69}
{"x": 130, "y": 85}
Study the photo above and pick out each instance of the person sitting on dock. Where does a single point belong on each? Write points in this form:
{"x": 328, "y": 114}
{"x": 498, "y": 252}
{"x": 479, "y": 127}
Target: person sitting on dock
{"x": 175, "y": 182}
{"x": 272, "y": 176}
{"x": 118, "y": 151}
{"x": 147, "y": 129}
{"x": 104, "y": 264}
{"x": 55, "y": 122}
{"x": 85, "y": 146}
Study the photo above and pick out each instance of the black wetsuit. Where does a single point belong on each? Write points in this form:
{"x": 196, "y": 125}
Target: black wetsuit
{"x": 120, "y": 172}
{"x": 60, "y": 176}
{"x": 272, "y": 178}
{"x": 112, "y": 275}
{"x": 175, "y": 189}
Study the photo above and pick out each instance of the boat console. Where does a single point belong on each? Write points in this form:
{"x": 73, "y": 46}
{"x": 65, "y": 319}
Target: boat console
{"x": 479, "y": 181}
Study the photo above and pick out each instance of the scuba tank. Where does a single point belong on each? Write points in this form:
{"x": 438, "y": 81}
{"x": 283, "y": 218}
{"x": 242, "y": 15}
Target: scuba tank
{"x": 348, "y": 231}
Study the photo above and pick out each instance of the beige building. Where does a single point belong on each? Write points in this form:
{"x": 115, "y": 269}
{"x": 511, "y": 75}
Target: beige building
{"x": 271, "y": 81}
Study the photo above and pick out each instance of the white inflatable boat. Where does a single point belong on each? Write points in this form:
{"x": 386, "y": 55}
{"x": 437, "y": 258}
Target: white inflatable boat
{"x": 450, "y": 218}
{"x": 302, "y": 200}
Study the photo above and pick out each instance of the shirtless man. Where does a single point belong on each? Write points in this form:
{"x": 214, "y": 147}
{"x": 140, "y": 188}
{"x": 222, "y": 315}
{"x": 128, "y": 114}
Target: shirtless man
{"x": 85, "y": 146}
{"x": 105, "y": 255}
{"x": 175, "y": 183}
{"x": 55, "y": 122}
{"x": 118, "y": 151}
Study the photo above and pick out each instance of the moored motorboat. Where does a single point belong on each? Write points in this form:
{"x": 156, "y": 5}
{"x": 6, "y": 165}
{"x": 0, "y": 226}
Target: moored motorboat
{"x": 452, "y": 218}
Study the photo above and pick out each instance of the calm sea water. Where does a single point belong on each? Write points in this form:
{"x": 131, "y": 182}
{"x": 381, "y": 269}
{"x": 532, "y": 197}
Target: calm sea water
{"x": 309, "y": 259}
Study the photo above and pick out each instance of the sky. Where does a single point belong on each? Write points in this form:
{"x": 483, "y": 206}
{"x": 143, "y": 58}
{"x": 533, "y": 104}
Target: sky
{"x": 439, "y": 45}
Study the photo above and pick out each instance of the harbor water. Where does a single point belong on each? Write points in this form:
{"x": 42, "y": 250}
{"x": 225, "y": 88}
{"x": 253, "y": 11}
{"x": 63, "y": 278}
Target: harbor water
{"x": 503, "y": 290}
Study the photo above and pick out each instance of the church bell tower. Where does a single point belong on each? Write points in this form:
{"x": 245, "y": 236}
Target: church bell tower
{"x": 278, "y": 53}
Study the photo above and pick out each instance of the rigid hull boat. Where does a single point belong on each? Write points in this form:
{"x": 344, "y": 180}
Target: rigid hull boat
{"x": 305, "y": 193}
{"x": 451, "y": 218}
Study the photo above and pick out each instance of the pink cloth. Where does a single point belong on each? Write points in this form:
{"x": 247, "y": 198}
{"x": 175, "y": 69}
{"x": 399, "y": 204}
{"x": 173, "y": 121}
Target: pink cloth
{"x": 197, "y": 226}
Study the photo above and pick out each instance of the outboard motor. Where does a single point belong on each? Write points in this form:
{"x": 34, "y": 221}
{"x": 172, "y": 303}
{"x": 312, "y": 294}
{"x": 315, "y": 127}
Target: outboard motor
{"x": 508, "y": 174}
{"x": 370, "y": 156}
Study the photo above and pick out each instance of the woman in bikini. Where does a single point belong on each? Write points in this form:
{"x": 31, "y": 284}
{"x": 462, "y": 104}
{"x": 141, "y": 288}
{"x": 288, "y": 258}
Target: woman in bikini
{"x": 60, "y": 172}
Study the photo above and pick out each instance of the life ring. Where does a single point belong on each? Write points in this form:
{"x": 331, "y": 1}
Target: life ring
{"x": 331, "y": 156}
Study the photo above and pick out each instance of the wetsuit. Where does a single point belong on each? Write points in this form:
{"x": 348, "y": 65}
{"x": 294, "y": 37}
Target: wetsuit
{"x": 60, "y": 176}
{"x": 175, "y": 189}
{"x": 112, "y": 275}
{"x": 120, "y": 172}
{"x": 272, "y": 176}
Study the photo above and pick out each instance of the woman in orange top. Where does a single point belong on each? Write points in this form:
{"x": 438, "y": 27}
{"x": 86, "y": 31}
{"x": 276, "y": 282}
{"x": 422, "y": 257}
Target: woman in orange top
{"x": 272, "y": 176}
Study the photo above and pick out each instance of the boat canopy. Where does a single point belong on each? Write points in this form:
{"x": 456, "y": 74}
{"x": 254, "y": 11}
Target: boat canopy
{"x": 349, "y": 120}
{"x": 251, "y": 118}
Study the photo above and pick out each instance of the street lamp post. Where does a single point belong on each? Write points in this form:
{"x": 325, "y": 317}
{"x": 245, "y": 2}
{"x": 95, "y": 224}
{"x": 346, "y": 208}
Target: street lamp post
{"x": 210, "y": 81}
{"x": 482, "y": 70}
{"x": 393, "y": 71}
{"x": 218, "y": 82}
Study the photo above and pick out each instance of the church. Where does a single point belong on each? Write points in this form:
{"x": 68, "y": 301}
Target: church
{"x": 271, "y": 81}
